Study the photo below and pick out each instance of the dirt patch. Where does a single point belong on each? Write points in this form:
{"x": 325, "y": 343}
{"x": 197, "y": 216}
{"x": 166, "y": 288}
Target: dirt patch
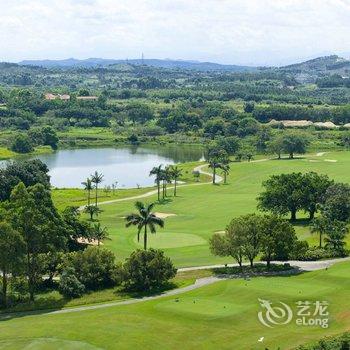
{"x": 164, "y": 215}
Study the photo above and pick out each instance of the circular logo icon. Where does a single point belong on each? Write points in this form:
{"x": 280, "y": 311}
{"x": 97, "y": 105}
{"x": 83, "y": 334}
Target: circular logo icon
{"x": 273, "y": 315}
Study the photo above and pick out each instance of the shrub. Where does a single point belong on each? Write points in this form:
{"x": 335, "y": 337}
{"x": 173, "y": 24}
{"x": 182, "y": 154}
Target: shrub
{"x": 21, "y": 144}
{"x": 145, "y": 270}
{"x": 341, "y": 342}
{"x": 70, "y": 286}
{"x": 94, "y": 267}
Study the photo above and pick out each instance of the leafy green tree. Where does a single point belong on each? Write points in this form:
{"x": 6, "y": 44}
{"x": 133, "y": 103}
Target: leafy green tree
{"x": 139, "y": 112}
{"x": 144, "y": 220}
{"x": 145, "y": 270}
{"x": 12, "y": 251}
{"x": 30, "y": 172}
{"x": 96, "y": 178}
{"x": 94, "y": 267}
{"x": 336, "y": 202}
{"x": 314, "y": 187}
{"x": 69, "y": 285}
{"x": 283, "y": 193}
{"x": 276, "y": 146}
{"x": 295, "y": 143}
{"x": 33, "y": 215}
{"x": 229, "y": 244}
{"x": 278, "y": 238}
{"x": 335, "y": 239}
{"x": 22, "y": 144}
{"x": 231, "y": 144}
{"x": 250, "y": 229}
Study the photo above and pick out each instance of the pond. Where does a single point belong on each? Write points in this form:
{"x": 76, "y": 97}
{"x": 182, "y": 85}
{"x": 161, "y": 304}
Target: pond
{"x": 128, "y": 166}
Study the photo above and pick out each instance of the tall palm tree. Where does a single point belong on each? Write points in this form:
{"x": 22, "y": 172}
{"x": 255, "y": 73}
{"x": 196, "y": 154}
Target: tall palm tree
{"x": 166, "y": 180}
{"x": 99, "y": 233}
{"x": 157, "y": 171}
{"x": 226, "y": 170}
{"x": 144, "y": 219}
{"x": 96, "y": 178}
{"x": 88, "y": 187}
{"x": 320, "y": 225}
{"x": 175, "y": 175}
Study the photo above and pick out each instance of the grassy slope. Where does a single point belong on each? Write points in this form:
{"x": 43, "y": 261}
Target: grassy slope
{"x": 222, "y": 315}
{"x": 202, "y": 210}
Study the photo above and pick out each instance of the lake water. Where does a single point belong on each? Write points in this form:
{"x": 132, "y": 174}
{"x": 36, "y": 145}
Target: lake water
{"x": 129, "y": 166}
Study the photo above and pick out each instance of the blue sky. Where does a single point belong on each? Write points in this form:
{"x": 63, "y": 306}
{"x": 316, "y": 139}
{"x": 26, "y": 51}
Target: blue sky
{"x": 226, "y": 31}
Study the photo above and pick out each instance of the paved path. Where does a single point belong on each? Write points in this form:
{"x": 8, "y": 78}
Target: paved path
{"x": 302, "y": 265}
{"x": 153, "y": 192}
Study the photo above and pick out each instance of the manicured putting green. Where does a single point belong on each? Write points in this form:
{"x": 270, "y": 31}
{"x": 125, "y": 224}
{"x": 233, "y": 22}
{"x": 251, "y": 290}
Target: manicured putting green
{"x": 162, "y": 240}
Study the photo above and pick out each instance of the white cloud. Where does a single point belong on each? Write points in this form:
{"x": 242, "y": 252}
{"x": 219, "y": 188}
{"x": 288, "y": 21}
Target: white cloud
{"x": 231, "y": 31}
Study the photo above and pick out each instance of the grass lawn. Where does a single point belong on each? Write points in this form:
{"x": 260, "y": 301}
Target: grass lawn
{"x": 222, "y": 315}
{"x": 204, "y": 209}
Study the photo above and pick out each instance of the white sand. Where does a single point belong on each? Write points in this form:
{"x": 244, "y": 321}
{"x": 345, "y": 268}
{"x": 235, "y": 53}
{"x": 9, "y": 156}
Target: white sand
{"x": 164, "y": 215}
{"x": 330, "y": 160}
{"x": 320, "y": 154}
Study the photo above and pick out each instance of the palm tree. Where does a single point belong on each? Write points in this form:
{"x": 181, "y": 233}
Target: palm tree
{"x": 88, "y": 187}
{"x": 99, "y": 233}
{"x": 216, "y": 157}
{"x": 166, "y": 180}
{"x": 175, "y": 175}
{"x": 226, "y": 170}
{"x": 144, "y": 219}
{"x": 157, "y": 171}
{"x": 320, "y": 225}
{"x": 92, "y": 210}
{"x": 96, "y": 178}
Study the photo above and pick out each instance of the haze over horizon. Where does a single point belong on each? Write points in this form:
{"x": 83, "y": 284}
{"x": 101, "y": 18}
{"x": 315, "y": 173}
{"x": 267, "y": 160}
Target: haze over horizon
{"x": 258, "y": 32}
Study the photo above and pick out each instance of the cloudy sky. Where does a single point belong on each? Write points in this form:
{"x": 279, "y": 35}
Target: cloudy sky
{"x": 226, "y": 31}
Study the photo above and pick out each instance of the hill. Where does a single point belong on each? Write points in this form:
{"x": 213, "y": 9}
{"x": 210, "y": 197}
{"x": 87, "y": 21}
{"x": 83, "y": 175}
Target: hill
{"x": 326, "y": 65}
{"x": 167, "y": 63}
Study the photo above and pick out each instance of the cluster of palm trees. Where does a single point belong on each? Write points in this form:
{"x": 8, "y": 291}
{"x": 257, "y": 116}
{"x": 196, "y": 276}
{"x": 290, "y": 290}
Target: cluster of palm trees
{"x": 91, "y": 184}
{"x": 218, "y": 159}
{"x": 165, "y": 176}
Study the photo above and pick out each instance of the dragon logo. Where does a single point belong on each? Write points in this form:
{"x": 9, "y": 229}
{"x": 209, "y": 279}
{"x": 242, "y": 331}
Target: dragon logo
{"x": 274, "y": 315}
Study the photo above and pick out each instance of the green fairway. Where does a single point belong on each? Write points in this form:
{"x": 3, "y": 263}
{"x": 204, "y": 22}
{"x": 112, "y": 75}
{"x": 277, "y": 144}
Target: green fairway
{"x": 222, "y": 315}
{"x": 204, "y": 209}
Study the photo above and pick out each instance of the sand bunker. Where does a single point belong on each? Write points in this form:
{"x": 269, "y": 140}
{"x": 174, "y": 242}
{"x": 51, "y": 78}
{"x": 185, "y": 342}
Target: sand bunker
{"x": 82, "y": 240}
{"x": 221, "y": 232}
{"x": 164, "y": 215}
{"x": 330, "y": 160}
{"x": 320, "y": 154}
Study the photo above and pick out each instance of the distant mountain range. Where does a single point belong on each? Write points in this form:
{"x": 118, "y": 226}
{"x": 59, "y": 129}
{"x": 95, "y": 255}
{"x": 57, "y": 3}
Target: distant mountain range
{"x": 166, "y": 63}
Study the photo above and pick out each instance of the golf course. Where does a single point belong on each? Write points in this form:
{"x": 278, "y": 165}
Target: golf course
{"x": 224, "y": 312}
{"x": 201, "y": 209}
